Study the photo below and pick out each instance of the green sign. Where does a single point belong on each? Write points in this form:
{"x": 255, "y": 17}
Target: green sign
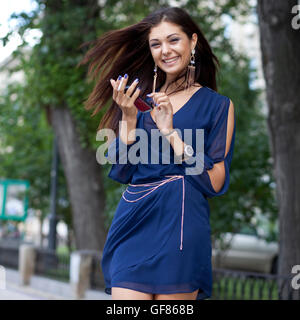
{"x": 13, "y": 199}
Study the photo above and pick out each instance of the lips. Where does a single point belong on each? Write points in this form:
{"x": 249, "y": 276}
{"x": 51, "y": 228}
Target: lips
{"x": 170, "y": 60}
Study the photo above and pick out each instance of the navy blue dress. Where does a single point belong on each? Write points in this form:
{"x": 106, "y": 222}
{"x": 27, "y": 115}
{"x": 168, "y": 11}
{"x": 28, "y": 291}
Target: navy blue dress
{"x": 159, "y": 241}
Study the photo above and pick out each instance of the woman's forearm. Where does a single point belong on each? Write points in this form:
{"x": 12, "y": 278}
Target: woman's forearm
{"x": 127, "y": 132}
{"x": 216, "y": 174}
{"x": 176, "y": 143}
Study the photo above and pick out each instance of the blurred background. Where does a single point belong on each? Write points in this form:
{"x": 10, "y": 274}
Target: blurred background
{"x": 56, "y": 201}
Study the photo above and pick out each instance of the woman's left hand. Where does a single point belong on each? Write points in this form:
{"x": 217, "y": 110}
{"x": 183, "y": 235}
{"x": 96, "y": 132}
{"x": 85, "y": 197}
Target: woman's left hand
{"x": 163, "y": 112}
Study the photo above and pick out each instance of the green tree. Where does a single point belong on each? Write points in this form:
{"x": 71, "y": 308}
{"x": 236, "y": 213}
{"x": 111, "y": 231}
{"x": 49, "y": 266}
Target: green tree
{"x": 26, "y": 151}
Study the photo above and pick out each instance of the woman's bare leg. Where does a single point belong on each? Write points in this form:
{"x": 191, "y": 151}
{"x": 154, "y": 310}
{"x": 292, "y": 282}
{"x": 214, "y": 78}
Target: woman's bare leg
{"x": 128, "y": 294}
{"x": 177, "y": 296}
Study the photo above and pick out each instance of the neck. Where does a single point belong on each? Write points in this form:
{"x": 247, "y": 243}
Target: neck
{"x": 172, "y": 86}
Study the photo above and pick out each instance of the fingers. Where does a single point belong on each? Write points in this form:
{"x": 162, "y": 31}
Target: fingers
{"x": 132, "y": 87}
{"x": 118, "y": 86}
{"x": 113, "y": 84}
{"x": 121, "y": 85}
{"x": 124, "y": 100}
{"x": 158, "y": 97}
{"x": 135, "y": 95}
{"x": 161, "y": 100}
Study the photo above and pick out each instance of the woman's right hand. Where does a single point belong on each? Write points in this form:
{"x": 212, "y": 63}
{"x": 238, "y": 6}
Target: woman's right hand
{"x": 124, "y": 100}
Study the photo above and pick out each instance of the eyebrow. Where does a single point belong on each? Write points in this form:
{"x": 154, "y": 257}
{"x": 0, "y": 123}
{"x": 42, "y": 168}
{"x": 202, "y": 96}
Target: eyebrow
{"x": 167, "y": 36}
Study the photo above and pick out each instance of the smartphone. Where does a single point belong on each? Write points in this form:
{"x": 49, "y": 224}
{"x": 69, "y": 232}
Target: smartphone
{"x": 141, "y": 104}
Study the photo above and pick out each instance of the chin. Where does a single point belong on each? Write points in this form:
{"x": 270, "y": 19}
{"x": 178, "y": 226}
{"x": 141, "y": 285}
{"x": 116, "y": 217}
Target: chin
{"x": 174, "y": 71}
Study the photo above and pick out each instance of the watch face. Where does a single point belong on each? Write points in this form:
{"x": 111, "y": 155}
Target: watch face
{"x": 189, "y": 150}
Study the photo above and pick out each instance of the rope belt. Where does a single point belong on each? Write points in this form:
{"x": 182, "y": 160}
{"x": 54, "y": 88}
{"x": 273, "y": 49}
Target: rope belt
{"x": 153, "y": 186}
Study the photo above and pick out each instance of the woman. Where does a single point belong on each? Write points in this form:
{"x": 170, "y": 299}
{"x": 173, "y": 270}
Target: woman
{"x": 158, "y": 245}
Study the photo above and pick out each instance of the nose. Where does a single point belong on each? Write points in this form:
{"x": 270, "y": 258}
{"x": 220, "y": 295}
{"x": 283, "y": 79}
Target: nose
{"x": 165, "y": 49}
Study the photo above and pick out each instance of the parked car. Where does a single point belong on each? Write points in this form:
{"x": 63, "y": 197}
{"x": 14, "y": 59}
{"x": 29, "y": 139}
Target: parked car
{"x": 247, "y": 251}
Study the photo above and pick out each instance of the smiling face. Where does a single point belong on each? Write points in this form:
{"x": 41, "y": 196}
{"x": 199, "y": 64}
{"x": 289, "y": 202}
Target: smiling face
{"x": 168, "y": 41}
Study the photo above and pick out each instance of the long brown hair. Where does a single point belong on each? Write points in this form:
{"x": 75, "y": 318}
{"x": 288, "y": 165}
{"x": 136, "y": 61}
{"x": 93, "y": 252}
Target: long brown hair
{"x": 127, "y": 50}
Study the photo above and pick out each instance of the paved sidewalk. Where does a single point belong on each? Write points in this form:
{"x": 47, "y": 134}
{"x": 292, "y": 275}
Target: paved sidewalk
{"x": 42, "y": 288}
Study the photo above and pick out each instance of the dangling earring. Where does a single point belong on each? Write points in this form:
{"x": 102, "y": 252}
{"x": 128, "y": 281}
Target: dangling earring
{"x": 155, "y": 76}
{"x": 190, "y": 77}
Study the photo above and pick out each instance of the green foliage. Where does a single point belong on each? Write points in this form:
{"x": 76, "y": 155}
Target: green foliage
{"x": 251, "y": 177}
{"x": 24, "y": 153}
{"x": 26, "y": 150}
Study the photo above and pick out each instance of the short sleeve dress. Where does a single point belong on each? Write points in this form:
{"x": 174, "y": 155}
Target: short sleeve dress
{"x": 159, "y": 240}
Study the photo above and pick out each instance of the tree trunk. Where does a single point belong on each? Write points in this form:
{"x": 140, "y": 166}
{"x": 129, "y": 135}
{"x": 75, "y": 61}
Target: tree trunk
{"x": 280, "y": 45}
{"x": 84, "y": 180}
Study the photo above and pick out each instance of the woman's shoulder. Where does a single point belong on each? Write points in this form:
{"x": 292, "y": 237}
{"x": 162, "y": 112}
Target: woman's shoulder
{"x": 218, "y": 100}
{"x": 216, "y": 95}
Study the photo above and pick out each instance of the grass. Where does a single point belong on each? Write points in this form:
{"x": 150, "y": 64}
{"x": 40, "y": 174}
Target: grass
{"x": 61, "y": 273}
{"x": 62, "y": 250}
{"x": 232, "y": 288}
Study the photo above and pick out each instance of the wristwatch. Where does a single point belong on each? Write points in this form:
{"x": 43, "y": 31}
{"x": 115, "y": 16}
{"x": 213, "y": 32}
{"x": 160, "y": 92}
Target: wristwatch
{"x": 188, "y": 151}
